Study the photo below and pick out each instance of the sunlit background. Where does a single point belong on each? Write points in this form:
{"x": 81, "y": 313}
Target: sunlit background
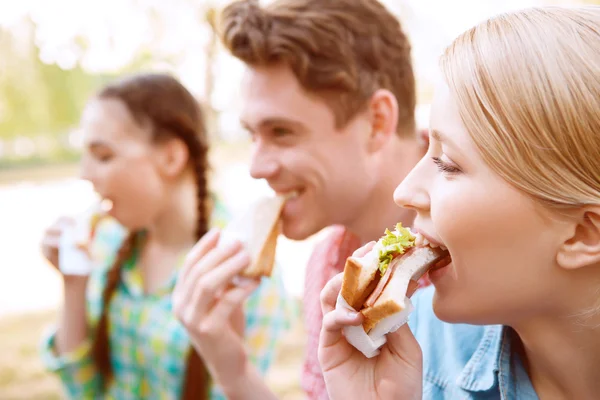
{"x": 55, "y": 54}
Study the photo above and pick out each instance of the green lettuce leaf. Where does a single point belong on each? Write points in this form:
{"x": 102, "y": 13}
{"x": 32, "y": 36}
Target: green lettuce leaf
{"x": 394, "y": 243}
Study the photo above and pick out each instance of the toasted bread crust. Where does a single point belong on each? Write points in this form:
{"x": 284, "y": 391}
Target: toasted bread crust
{"x": 266, "y": 258}
{"x": 350, "y": 281}
{"x": 378, "y": 312}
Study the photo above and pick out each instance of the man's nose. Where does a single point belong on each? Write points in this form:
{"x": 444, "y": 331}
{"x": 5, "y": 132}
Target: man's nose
{"x": 265, "y": 162}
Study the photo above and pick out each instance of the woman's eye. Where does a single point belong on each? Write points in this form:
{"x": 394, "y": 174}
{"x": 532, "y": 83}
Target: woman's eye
{"x": 445, "y": 167}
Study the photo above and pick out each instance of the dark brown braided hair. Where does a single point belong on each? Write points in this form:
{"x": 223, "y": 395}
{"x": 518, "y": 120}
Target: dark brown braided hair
{"x": 171, "y": 110}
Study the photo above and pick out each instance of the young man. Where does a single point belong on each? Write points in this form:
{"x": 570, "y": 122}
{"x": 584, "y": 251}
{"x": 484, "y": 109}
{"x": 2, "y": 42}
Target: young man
{"x": 329, "y": 100}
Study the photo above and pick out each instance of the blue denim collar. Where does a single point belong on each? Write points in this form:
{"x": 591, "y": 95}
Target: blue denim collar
{"x": 480, "y": 372}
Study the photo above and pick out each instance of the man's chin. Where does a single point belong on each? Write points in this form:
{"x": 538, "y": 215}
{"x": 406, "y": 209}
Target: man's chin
{"x": 297, "y": 229}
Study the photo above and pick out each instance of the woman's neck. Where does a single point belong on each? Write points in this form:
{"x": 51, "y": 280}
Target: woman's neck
{"x": 561, "y": 356}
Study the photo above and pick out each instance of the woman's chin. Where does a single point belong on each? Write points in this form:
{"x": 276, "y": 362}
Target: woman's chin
{"x": 449, "y": 311}
{"x": 462, "y": 311}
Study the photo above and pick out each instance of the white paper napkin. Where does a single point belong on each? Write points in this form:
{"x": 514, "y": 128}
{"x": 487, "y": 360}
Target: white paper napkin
{"x": 73, "y": 260}
{"x": 370, "y": 344}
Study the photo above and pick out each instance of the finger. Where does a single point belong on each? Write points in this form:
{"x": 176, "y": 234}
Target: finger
{"x": 330, "y": 293}
{"x": 205, "y": 246}
{"x": 220, "y": 315}
{"x": 218, "y": 279}
{"x": 211, "y": 283}
{"x": 200, "y": 249}
{"x": 335, "y": 321}
{"x": 51, "y": 254}
{"x": 364, "y": 250}
{"x": 403, "y": 345}
{"x": 191, "y": 283}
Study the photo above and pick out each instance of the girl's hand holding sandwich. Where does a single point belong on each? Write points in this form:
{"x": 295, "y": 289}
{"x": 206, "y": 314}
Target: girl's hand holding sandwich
{"x": 396, "y": 373}
{"x": 50, "y": 246}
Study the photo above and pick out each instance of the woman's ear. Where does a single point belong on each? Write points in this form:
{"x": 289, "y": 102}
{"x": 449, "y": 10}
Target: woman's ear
{"x": 172, "y": 157}
{"x": 582, "y": 248}
{"x": 383, "y": 109}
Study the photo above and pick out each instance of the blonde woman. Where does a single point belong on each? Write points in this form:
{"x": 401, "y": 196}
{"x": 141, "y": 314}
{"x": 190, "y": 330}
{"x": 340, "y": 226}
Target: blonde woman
{"x": 511, "y": 185}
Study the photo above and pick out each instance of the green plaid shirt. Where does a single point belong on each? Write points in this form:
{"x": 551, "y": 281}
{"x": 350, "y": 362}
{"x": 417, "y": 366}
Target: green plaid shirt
{"x": 148, "y": 345}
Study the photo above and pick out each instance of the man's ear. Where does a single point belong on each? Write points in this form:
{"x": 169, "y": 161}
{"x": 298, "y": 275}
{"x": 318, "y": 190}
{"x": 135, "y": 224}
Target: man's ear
{"x": 172, "y": 157}
{"x": 383, "y": 109}
{"x": 582, "y": 248}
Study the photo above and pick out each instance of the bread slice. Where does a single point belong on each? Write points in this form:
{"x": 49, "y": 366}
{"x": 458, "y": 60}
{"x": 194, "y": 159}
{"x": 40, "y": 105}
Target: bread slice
{"x": 360, "y": 279}
{"x": 258, "y": 229}
{"x": 388, "y": 303}
{"x": 264, "y": 256}
{"x": 411, "y": 265}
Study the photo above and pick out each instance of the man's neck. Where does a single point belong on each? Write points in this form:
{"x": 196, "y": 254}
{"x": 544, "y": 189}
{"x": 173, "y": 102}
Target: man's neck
{"x": 381, "y": 212}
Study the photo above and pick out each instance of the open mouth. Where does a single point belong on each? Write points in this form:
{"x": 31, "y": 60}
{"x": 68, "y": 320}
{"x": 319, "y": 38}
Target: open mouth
{"x": 444, "y": 259}
{"x": 444, "y": 262}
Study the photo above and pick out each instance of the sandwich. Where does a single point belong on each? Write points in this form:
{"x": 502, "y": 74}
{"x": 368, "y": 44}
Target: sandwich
{"x": 87, "y": 226}
{"x": 376, "y": 283}
{"x": 258, "y": 229}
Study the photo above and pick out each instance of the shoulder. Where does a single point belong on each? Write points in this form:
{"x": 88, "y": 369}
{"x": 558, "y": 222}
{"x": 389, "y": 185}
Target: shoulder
{"x": 451, "y": 352}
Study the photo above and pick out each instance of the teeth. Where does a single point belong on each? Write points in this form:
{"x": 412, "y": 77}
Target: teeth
{"x": 443, "y": 247}
{"x": 291, "y": 195}
{"x": 418, "y": 239}
{"x": 433, "y": 245}
{"x": 106, "y": 205}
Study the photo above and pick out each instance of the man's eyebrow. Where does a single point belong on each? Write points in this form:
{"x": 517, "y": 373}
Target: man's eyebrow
{"x": 97, "y": 144}
{"x": 273, "y": 121}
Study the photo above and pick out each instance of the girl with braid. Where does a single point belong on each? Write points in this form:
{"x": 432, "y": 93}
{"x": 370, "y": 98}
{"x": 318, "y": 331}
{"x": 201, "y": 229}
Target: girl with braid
{"x": 146, "y": 151}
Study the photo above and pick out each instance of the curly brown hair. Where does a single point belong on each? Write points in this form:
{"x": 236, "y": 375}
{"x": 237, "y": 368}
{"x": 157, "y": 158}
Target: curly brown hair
{"x": 172, "y": 111}
{"x": 342, "y": 50}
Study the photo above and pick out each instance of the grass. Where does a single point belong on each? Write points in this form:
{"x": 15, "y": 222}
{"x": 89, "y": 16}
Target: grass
{"x": 22, "y": 376}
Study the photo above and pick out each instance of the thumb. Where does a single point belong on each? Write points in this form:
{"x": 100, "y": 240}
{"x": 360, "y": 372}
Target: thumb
{"x": 403, "y": 345}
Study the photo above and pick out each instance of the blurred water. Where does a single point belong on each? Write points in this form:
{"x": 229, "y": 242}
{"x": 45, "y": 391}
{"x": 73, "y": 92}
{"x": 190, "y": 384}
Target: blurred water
{"x": 29, "y": 283}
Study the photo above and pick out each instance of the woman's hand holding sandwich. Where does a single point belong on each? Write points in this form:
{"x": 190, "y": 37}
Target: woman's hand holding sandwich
{"x": 395, "y": 373}
{"x": 209, "y": 305}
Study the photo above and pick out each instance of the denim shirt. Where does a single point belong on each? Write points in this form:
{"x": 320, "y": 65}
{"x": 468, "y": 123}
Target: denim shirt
{"x": 466, "y": 361}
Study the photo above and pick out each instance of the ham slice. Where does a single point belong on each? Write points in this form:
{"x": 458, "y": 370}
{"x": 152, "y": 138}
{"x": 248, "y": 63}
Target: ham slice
{"x": 417, "y": 261}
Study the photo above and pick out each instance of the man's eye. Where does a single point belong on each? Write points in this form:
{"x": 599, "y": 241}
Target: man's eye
{"x": 280, "y": 131}
{"x": 103, "y": 156}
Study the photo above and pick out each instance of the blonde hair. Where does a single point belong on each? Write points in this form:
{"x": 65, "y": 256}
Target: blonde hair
{"x": 527, "y": 85}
